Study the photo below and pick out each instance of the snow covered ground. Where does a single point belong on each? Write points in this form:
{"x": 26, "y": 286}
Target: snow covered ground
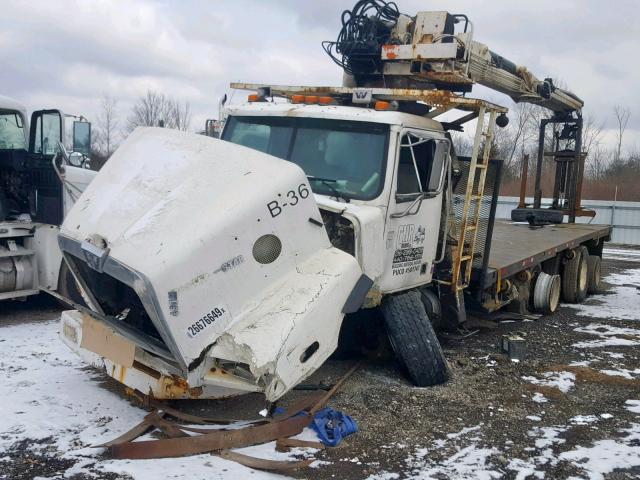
{"x": 467, "y": 455}
{"x": 51, "y": 399}
{"x": 54, "y": 409}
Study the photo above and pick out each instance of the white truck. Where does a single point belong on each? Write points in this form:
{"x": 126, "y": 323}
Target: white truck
{"x": 213, "y": 268}
{"x": 38, "y": 185}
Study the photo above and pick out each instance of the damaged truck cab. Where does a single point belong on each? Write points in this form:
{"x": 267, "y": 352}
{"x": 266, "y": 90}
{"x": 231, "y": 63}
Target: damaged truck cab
{"x": 377, "y": 176}
{"x": 212, "y": 268}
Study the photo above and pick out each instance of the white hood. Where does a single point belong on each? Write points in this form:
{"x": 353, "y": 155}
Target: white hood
{"x": 185, "y": 211}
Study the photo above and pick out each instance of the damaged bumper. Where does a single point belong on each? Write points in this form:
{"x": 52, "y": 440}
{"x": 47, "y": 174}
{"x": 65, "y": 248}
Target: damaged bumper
{"x": 284, "y": 336}
{"x": 210, "y": 263}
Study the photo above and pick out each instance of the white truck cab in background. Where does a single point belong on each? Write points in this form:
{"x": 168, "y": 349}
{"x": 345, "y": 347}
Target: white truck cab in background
{"x": 39, "y": 182}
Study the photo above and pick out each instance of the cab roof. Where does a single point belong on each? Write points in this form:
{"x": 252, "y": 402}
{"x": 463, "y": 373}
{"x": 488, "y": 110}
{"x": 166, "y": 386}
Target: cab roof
{"x": 337, "y": 112}
{"x": 7, "y": 103}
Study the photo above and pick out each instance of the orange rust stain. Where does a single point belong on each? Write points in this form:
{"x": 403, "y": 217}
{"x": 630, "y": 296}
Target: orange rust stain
{"x": 195, "y": 392}
{"x": 122, "y": 374}
{"x": 180, "y": 382}
{"x": 390, "y": 52}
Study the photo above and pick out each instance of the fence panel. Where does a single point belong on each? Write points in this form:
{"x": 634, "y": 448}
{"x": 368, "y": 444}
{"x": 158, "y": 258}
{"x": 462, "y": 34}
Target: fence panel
{"x": 623, "y": 216}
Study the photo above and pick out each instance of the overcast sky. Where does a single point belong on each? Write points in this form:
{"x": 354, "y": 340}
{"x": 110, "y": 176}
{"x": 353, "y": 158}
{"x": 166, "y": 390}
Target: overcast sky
{"x": 68, "y": 54}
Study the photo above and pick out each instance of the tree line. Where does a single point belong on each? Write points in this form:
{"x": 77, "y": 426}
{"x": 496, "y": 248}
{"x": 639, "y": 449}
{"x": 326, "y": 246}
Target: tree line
{"x": 612, "y": 170}
{"x": 153, "y": 109}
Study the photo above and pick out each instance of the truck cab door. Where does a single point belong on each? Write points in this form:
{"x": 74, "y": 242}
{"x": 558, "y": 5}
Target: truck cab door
{"x": 413, "y": 216}
{"x": 45, "y": 194}
{"x": 47, "y": 129}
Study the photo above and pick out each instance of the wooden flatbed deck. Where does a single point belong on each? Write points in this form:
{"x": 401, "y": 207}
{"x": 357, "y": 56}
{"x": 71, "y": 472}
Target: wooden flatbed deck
{"x": 516, "y": 246}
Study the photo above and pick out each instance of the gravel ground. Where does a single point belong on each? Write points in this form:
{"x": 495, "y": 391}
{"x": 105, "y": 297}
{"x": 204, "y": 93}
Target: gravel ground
{"x": 571, "y": 409}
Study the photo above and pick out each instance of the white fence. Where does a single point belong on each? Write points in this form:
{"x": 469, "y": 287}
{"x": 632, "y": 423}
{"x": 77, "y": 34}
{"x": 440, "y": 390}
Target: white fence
{"x": 623, "y": 216}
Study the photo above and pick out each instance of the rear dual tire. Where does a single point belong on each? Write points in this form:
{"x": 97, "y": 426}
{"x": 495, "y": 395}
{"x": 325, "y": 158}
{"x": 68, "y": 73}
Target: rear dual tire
{"x": 575, "y": 276}
{"x": 594, "y": 263}
{"x": 546, "y": 293}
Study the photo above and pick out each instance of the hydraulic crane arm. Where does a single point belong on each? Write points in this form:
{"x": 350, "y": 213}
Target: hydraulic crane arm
{"x": 380, "y": 47}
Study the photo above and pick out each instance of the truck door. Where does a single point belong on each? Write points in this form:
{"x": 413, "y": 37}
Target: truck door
{"x": 413, "y": 217}
{"x": 47, "y": 129}
{"x": 45, "y": 197}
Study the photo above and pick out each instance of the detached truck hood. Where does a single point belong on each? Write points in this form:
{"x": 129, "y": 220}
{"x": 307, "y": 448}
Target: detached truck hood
{"x": 212, "y": 260}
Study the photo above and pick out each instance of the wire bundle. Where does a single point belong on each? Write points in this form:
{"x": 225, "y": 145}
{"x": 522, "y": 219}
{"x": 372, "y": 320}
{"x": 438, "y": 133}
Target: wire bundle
{"x": 365, "y": 28}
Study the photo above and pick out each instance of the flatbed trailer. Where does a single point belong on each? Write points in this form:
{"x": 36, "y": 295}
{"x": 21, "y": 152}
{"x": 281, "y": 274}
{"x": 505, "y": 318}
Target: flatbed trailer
{"x": 518, "y": 246}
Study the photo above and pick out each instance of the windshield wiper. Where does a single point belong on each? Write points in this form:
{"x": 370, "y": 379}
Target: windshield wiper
{"x": 328, "y": 183}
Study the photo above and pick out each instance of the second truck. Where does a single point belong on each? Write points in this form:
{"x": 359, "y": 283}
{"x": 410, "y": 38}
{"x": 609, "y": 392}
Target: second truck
{"x": 212, "y": 268}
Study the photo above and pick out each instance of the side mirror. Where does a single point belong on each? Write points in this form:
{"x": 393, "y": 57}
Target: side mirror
{"x": 440, "y": 157}
{"x": 76, "y": 159}
{"x": 82, "y": 138}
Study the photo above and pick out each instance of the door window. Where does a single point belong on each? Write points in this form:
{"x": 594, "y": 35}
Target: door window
{"x": 415, "y": 163}
{"x": 47, "y": 133}
{"x": 11, "y": 131}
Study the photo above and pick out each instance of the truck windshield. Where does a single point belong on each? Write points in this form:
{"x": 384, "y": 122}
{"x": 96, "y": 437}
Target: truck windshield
{"x": 11, "y": 131}
{"x": 347, "y": 158}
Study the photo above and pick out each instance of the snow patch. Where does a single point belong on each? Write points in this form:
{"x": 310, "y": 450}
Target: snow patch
{"x": 622, "y": 372}
{"x": 47, "y": 392}
{"x": 605, "y": 456}
{"x": 633, "y": 406}
{"x": 619, "y": 303}
{"x": 539, "y": 398}
{"x": 583, "y": 419}
{"x": 563, "y": 381}
{"x": 610, "y": 335}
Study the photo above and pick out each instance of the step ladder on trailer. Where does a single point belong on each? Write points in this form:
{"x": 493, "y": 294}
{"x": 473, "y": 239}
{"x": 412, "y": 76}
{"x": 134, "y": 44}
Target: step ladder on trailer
{"x": 463, "y": 229}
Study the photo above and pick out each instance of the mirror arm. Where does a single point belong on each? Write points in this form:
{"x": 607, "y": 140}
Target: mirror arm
{"x": 417, "y": 201}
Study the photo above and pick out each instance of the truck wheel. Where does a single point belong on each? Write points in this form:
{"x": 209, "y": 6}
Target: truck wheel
{"x": 432, "y": 306}
{"x": 67, "y": 286}
{"x": 594, "y": 263}
{"x": 413, "y": 339}
{"x": 546, "y": 293}
{"x": 575, "y": 276}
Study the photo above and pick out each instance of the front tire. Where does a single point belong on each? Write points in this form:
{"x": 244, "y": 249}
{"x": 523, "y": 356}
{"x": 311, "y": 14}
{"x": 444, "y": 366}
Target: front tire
{"x": 413, "y": 339}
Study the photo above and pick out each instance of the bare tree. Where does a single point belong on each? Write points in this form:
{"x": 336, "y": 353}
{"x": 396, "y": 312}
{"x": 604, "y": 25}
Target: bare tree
{"x": 107, "y": 125}
{"x": 591, "y": 143}
{"x": 462, "y": 144}
{"x": 180, "y": 115}
{"x": 157, "y": 109}
{"x": 622, "y": 115}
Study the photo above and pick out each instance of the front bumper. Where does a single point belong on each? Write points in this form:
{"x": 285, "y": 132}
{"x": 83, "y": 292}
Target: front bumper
{"x": 126, "y": 363}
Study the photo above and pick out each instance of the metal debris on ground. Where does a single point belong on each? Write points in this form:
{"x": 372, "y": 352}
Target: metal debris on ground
{"x": 515, "y": 346}
{"x": 184, "y": 439}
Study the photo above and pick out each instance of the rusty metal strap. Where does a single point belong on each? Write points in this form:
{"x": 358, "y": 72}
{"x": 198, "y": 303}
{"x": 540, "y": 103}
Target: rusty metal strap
{"x": 325, "y": 398}
{"x": 263, "y": 463}
{"x": 140, "y": 429}
{"x": 302, "y": 404}
{"x": 217, "y": 440}
{"x": 284, "y": 444}
{"x": 195, "y": 419}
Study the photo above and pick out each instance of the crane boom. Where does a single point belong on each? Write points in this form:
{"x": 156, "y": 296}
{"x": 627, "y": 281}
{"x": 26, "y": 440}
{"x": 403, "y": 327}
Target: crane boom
{"x": 380, "y": 47}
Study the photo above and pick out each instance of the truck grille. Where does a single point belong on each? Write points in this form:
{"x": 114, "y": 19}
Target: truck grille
{"x": 118, "y": 300}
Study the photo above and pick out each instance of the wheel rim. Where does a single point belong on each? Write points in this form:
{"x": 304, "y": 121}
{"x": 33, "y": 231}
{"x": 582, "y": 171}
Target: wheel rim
{"x": 582, "y": 275}
{"x": 554, "y": 294}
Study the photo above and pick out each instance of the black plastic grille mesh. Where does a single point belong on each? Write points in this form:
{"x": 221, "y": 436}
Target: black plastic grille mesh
{"x": 486, "y": 218}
